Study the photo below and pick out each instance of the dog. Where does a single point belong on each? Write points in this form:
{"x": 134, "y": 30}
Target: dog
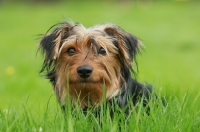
{"x": 90, "y": 64}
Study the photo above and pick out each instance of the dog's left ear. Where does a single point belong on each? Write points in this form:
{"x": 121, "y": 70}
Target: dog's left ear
{"x": 51, "y": 43}
{"x": 128, "y": 45}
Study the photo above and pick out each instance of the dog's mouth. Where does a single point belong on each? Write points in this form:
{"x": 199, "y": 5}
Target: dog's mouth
{"x": 86, "y": 81}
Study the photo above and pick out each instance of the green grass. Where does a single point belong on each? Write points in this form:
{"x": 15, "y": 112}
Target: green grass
{"x": 170, "y": 32}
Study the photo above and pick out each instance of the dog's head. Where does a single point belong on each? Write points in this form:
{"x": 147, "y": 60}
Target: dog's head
{"x": 80, "y": 61}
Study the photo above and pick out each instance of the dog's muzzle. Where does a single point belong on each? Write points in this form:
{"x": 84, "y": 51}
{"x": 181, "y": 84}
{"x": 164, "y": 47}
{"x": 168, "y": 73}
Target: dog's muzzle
{"x": 84, "y": 71}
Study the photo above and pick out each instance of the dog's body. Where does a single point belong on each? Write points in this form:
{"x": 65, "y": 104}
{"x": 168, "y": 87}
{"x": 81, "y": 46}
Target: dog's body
{"x": 85, "y": 64}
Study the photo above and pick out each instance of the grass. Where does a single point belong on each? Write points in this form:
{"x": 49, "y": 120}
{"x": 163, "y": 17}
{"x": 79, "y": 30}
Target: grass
{"x": 170, "y": 32}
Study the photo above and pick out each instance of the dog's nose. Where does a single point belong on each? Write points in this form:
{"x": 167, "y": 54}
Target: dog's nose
{"x": 84, "y": 71}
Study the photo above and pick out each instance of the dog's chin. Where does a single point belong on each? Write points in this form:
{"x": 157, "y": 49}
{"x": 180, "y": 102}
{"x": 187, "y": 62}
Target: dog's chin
{"x": 84, "y": 90}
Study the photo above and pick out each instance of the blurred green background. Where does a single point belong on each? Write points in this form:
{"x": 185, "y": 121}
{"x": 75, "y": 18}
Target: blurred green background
{"x": 170, "y": 30}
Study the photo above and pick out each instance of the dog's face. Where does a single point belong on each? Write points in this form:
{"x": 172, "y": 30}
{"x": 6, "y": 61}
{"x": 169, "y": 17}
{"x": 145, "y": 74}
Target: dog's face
{"x": 82, "y": 63}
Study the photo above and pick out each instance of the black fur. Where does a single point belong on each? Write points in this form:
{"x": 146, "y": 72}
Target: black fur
{"x": 131, "y": 90}
{"x": 134, "y": 92}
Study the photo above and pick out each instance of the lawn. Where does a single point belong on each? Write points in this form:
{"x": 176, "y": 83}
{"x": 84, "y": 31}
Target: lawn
{"x": 171, "y": 60}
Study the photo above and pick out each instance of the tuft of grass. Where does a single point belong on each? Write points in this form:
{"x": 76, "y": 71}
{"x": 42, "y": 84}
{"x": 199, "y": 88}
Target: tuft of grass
{"x": 178, "y": 114}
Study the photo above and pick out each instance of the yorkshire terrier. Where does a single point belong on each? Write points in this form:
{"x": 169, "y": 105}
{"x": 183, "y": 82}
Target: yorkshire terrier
{"x": 88, "y": 64}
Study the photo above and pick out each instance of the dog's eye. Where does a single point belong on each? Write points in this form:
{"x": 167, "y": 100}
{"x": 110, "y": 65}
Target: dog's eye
{"x": 71, "y": 51}
{"x": 102, "y": 51}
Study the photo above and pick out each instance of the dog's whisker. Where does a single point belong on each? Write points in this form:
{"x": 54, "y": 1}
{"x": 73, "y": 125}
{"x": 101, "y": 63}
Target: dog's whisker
{"x": 95, "y": 44}
{"x": 88, "y": 51}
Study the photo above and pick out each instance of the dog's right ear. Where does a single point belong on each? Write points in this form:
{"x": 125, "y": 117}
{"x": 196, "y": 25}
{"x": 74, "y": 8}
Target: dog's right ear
{"x": 51, "y": 43}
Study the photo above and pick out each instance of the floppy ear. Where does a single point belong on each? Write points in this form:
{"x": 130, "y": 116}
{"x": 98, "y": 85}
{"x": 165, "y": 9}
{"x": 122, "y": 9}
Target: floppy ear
{"x": 51, "y": 43}
{"x": 128, "y": 46}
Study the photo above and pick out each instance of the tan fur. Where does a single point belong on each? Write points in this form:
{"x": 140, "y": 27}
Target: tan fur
{"x": 103, "y": 71}
{"x": 106, "y": 69}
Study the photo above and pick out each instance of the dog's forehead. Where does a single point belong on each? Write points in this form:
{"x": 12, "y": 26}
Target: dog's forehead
{"x": 79, "y": 31}
{"x": 82, "y": 36}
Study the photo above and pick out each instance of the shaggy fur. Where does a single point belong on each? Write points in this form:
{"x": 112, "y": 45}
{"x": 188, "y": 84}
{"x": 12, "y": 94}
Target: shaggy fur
{"x": 83, "y": 62}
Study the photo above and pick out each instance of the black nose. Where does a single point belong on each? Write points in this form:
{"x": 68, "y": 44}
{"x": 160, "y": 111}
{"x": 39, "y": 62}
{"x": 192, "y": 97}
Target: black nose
{"x": 84, "y": 71}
